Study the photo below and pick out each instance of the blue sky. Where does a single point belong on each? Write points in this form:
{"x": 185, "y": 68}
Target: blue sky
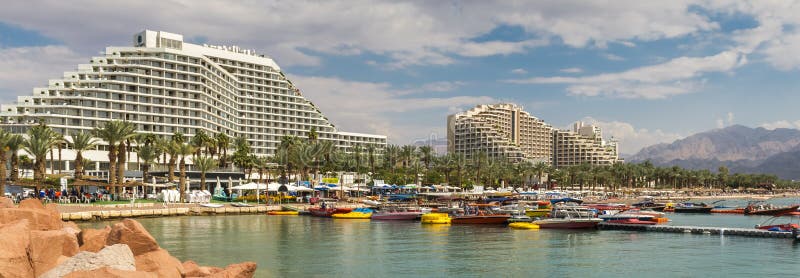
{"x": 647, "y": 72}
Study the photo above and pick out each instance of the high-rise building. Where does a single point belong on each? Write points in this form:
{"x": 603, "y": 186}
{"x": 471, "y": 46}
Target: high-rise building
{"x": 500, "y": 130}
{"x": 583, "y": 144}
{"x": 505, "y": 130}
{"x": 165, "y": 85}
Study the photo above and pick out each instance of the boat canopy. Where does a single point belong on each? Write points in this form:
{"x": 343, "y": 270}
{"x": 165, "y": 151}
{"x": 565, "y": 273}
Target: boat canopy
{"x": 565, "y": 200}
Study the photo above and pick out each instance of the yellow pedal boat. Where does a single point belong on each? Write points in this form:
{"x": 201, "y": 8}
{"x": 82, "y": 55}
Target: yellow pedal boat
{"x": 436, "y": 218}
{"x": 523, "y": 226}
{"x": 359, "y": 213}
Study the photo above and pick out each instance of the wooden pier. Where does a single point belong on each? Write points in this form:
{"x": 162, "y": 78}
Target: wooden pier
{"x": 696, "y": 230}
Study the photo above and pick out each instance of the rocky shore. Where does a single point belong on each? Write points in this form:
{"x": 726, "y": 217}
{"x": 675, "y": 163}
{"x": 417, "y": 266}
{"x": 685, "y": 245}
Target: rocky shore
{"x": 34, "y": 242}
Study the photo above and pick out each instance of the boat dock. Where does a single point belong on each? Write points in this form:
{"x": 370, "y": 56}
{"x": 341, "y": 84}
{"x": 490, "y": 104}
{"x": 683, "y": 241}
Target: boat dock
{"x": 101, "y": 214}
{"x": 695, "y": 230}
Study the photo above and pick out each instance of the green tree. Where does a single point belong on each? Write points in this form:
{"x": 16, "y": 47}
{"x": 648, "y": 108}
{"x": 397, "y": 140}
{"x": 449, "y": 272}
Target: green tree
{"x": 40, "y": 141}
{"x": 183, "y": 150}
{"x": 81, "y": 141}
{"x": 204, "y": 164}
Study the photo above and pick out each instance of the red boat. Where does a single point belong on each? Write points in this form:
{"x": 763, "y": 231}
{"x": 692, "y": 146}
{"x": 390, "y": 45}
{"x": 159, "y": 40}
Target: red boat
{"x": 327, "y": 211}
{"x": 728, "y": 210}
{"x": 632, "y": 221}
{"x": 770, "y": 225}
{"x": 480, "y": 214}
{"x": 768, "y": 210}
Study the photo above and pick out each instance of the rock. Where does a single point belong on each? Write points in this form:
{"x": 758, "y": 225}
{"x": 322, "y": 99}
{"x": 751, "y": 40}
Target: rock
{"x": 47, "y": 247}
{"x": 191, "y": 269}
{"x": 241, "y": 270}
{"x": 132, "y": 233}
{"x": 93, "y": 240}
{"x": 160, "y": 263}
{"x": 71, "y": 228}
{"x": 6, "y": 203}
{"x": 117, "y": 257}
{"x": 108, "y": 272}
{"x": 39, "y": 219}
{"x": 14, "y": 242}
{"x": 31, "y": 204}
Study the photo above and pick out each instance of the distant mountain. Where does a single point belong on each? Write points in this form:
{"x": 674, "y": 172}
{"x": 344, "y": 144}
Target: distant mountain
{"x": 740, "y": 148}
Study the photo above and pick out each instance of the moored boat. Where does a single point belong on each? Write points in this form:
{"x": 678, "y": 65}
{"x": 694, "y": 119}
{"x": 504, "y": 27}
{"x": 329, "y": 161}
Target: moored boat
{"x": 632, "y": 221}
{"x": 768, "y": 209}
{"x": 210, "y": 205}
{"x": 359, "y": 213}
{"x": 770, "y": 225}
{"x": 396, "y": 215}
{"x": 541, "y": 210}
{"x": 283, "y": 212}
{"x": 523, "y": 226}
{"x": 728, "y": 210}
{"x": 569, "y": 216}
{"x": 326, "y": 210}
{"x": 480, "y": 214}
{"x": 692, "y": 208}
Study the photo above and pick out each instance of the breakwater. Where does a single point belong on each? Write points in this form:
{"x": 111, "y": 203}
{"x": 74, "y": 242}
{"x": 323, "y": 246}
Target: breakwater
{"x": 695, "y": 230}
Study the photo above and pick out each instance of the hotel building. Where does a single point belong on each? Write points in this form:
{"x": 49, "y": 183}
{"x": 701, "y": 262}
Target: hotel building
{"x": 505, "y": 130}
{"x": 165, "y": 85}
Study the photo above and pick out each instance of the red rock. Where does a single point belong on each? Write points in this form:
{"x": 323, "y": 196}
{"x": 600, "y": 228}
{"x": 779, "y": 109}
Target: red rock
{"x": 47, "y": 247}
{"x": 39, "y": 219}
{"x": 14, "y": 242}
{"x": 71, "y": 228}
{"x": 132, "y": 233}
{"x": 93, "y": 240}
{"x": 6, "y": 203}
{"x": 211, "y": 269}
{"x": 241, "y": 270}
{"x": 109, "y": 272}
{"x": 31, "y": 204}
{"x": 160, "y": 263}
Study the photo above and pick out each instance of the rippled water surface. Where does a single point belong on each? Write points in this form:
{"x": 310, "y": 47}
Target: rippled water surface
{"x": 303, "y": 246}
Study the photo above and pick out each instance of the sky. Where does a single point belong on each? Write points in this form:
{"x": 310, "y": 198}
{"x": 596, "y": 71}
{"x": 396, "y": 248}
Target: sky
{"x": 646, "y": 72}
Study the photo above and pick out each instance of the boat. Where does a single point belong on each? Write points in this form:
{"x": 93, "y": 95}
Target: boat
{"x": 480, "y": 214}
{"x": 290, "y": 208}
{"x": 650, "y": 205}
{"x": 517, "y": 217}
{"x": 210, "y": 205}
{"x": 436, "y": 218}
{"x": 371, "y": 202}
{"x": 241, "y": 205}
{"x": 692, "y": 208}
{"x": 770, "y": 225}
{"x": 728, "y": 210}
{"x": 359, "y": 213}
{"x": 283, "y": 212}
{"x": 632, "y": 221}
{"x": 768, "y": 209}
{"x": 541, "y": 210}
{"x": 327, "y": 209}
{"x": 642, "y": 215}
{"x": 396, "y": 213}
{"x": 523, "y": 226}
{"x": 570, "y": 216}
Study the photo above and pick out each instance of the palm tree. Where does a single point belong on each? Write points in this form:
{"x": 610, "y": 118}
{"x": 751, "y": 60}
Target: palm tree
{"x": 540, "y": 168}
{"x": 81, "y": 141}
{"x": 41, "y": 140}
{"x": 14, "y": 145}
{"x": 200, "y": 140}
{"x": 4, "y": 138}
{"x": 371, "y": 161}
{"x": 127, "y": 130}
{"x": 147, "y": 155}
{"x": 60, "y": 141}
{"x": 426, "y": 155}
{"x": 223, "y": 143}
{"x": 110, "y": 133}
{"x": 171, "y": 148}
{"x": 204, "y": 164}
{"x": 182, "y": 151}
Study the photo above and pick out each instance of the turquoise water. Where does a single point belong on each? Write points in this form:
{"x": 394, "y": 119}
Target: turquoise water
{"x": 304, "y": 246}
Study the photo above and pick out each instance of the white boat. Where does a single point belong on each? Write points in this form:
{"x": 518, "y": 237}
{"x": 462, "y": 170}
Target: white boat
{"x": 210, "y": 205}
{"x": 371, "y": 202}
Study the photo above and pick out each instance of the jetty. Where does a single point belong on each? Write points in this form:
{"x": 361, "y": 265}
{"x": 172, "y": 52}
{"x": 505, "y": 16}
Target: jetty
{"x": 696, "y": 230}
{"x": 132, "y": 212}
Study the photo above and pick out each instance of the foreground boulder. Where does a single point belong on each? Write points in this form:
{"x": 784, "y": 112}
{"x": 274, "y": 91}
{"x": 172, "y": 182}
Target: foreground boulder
{"x": 14, "y": 242}
{"x": 93, "y": 240}
{"x": 242, "y": 270}
{"x": 31, "y": 204}
{"x": 49, "y": 248}
{"x": 39, "y": 219}
{"x": 6, "y": 203}
{"x": 160, "y": 263}
{"x": 107, "y": 272}
{"x": 116, "y": 257}
{"x": 133, "y": 234}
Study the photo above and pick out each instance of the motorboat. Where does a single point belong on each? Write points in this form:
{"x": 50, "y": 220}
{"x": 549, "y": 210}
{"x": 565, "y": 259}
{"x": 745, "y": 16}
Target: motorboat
{"x": 369, "y": 202}
{"x": 632, "y": 221}
{"x": 692, "y": 208}
{"x": 241, "y": 205}
{"x": 569, "y": 216}
{"x": 326, "y": 209}
{"x": 396, "y": 213}
{"x": 523, "y": 226}
{"x": 770, "y": 225}
{"x": 633, "y": 214}
{"x": 650, "y": 205}
{"x": 210, "y": 205}
{"x": 768, "y": 209}
{"x": 480, "y": 214}
{"x": 541, "y": 209}
{"x": 515, "y": 218}
{"x": 359, "y": 213}
{"x": 436, "y": 218}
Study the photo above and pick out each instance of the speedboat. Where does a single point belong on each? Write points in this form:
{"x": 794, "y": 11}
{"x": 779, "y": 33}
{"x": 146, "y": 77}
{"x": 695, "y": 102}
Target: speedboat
{"x": 480, "y": 214}
{"x": 327, "y": 209}
{"x": 770, "y": 225}
{"x": 768, "y": 209}
{"x": 394, "y": 213}
{"x": 692, "y": 208}
{"x": 569, "y": 216}
{"x": 541, "y": 210}
{"x": 523, "y": 226}
{"x": 359, "y": 213}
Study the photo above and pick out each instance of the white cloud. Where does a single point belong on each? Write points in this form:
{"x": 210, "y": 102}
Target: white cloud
{"x": 572, "y": 70}
{"x": 612, "y": 57}
{"x": 632, "y": 139}
{"x": 674, "y": 77}
{"x": 375, "y": 107}
{"x": 782, "y": 124}
{"x": 433, "y": 87}
{"x": 519, "y": 71}
{"x": 22, "y": 68}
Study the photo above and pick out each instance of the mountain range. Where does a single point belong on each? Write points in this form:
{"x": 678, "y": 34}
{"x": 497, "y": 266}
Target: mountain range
{"x": 742, "y": 149}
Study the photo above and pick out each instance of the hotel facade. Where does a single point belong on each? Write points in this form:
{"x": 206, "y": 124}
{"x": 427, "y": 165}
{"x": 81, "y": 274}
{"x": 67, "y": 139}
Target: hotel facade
{"x": 506, "y": 130}
{"x": 164, "y": 85}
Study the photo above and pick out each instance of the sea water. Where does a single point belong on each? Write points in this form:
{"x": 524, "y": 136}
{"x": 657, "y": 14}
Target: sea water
{"x": 304, "y": 246}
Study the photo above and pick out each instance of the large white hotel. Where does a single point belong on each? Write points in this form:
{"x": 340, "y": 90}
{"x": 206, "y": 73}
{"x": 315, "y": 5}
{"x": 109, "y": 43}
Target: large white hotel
{"x": 506, "y": 130}
{"x": 165, "y": 85}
